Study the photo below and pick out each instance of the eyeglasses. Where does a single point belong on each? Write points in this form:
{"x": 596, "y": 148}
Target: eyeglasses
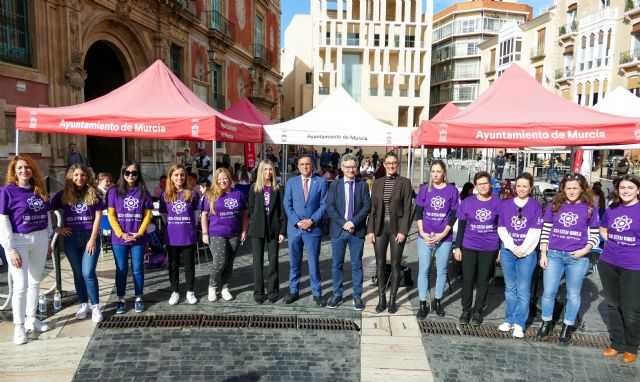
{"x": 391, "y": 163}
{"x": 349, "y": 167}
{"x": 573, "y": 176}
{"x": 519, "y": 213}
{"x": 131, "y": 173}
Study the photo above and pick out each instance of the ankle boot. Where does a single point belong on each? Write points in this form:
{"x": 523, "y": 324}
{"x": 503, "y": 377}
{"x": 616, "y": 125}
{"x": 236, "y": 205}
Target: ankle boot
{"x": 437, "y": 306}
{"x": 392, "y": 301}
{"x": 565, "y": 334}
{"x": 424, "y": 310}
{"x": 543, "y": 333}
{"x": 382, "y": 301}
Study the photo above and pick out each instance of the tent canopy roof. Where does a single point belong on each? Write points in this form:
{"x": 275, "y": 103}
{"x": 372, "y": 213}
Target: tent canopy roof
{"x": 619, "y": 102}
{"x": 155, "y": 104}
{"x": 516, "y": 111}
{"x": 337, "y": 121}
{"x": 246, "y": 111}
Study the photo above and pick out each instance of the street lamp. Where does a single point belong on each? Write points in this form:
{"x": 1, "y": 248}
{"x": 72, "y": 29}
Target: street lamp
{"x": 211, "y": 58}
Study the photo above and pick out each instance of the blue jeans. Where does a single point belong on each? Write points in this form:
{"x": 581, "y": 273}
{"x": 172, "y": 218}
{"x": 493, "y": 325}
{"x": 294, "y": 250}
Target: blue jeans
{"x": 121, "y": 255}
{"x": 442, "y": 251}
{"x": 559, "y": 263}
{"x": 517, "y": 285}
{"x": 83, "y": 265}
{"x": 339, "y": 248}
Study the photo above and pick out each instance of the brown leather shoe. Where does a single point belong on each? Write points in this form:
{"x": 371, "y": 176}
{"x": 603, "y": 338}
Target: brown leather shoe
{"x": 609, "y": 353}
{"x": 629, "y": 357}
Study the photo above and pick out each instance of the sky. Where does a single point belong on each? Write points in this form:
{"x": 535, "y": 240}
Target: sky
{"x": 292, "y": 7}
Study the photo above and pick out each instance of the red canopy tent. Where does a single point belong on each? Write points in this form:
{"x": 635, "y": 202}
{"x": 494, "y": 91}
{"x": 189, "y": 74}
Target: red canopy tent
{"x": 246, "y": 111}
{"x": 447, "y": 112}
{"x": 516, "y": 111}
{"x": 155, "y": 104}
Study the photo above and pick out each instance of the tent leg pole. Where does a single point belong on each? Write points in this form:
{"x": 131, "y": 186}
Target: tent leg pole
{"x": 17, "y": 142}
{"x": 421, "y": 164}
{"x": 124, "y": 151}
{"x": 285, "y": 162}
{"x": 213, "y": 154}
{"x": 409, "y": 165}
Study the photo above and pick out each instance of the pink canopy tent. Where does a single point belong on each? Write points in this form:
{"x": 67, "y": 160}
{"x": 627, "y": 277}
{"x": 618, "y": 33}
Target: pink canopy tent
{"x": 245, "y": 111}
{"x": 516, "y": 111}
{"x": 155, "y": 104}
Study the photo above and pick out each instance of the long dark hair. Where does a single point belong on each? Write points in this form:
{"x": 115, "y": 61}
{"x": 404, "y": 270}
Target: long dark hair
{"x": 123, "y": 186}
{"x": 586, "y": 196}
{"x": 615, "y": 195}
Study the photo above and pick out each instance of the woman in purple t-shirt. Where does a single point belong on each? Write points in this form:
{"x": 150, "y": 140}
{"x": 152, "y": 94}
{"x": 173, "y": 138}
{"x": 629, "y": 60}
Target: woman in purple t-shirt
{"x": 436, "y": 206}
{"x": 82, "y": 209}
{"x": 129, "y": 211}
{"x": 25, "y": 229}
{"x": 619, "y": 268}
{"x": 224, "y": 227}
{"x": 179, "y": 210}
{"x": 477, "y": 245}
{"x": 570, "y": 231}
{"x": 519, "y": 228}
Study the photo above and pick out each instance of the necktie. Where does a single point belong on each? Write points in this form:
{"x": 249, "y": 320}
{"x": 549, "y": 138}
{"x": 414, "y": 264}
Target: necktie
{"x": 305, "y": 189}
{"x": 350, "y": 212}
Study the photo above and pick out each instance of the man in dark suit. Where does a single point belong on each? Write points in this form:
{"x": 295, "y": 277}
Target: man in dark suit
{"x": 348, "y": 205}
{"x": 305, "y": 202}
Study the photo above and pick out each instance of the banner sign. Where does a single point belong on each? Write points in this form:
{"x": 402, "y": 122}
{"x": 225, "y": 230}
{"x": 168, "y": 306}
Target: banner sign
{"x": 249, "y": 155}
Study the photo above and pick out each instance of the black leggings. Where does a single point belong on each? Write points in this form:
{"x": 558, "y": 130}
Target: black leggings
{"x": 477, "y": 267}
{"x": 188, "y": 258}
{"x": 380, "y": 248}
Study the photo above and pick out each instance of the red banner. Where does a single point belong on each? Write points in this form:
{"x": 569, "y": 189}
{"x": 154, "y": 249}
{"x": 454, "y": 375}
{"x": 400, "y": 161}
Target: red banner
{"x": 249, "y": 155}
{"x": 577, "y": 161}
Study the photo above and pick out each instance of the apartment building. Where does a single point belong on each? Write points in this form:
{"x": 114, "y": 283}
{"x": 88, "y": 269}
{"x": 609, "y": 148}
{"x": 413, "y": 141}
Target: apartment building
{"x": 455, "y": 59}
{"x": 377, "y": 50}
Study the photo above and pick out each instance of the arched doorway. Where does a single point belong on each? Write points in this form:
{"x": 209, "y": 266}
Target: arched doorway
{"x": 104, "y": 74}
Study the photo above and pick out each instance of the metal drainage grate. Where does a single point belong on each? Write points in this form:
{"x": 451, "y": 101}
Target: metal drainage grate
{"x": 486, "y": 331}
{"x": 230, "y": 321}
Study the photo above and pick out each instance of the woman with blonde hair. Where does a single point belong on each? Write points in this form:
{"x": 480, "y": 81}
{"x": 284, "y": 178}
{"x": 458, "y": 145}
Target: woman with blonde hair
{"x": 267, "y": 227}
{"x": 179, "y": 211}
{"x": 224, "y": 228}
{"x": 25, "y": 229}
{"x": 104, "y": 181}
{"x": 82, "y": 207}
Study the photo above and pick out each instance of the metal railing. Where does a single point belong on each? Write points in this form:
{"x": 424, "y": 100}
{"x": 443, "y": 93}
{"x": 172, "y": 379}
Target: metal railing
{"x": 14, "y": 37}
{"x": 323, "y": 90}
{"x": 537, "y": 52}
{"x": 216, "y": 21}
{"x": 563, "y": 73}
{"x": 629, "y": 56}
{"x": 568, "y": 28}
{"x": 219, "y": 102}
{"x": 260, "y": 52}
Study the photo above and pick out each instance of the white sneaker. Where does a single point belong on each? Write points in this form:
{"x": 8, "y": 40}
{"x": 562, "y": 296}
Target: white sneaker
{"x": 226, "y": 294}
{"x": 81, "y": 314}
{"x": 191, "y": 298}
{"x": 504, "y": 327}
{"x": 213, "y": 295}
{"x": 96, "y": 313}
{"x": 19, "y": 335}
{"x": 32, "y": 323}
{"x": 517, "y": 331}
{"x": 175, "y": 297}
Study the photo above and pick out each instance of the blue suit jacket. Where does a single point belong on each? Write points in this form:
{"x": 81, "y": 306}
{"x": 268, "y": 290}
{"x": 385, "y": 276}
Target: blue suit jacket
{"x": 296, "y": 208}
{"x": 336, "y": 206}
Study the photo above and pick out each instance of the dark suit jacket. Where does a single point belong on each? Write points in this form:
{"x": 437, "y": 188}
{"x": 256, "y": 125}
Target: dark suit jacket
{"x": 277, "y": 223}
{"x": 399, "y": 207}
{"x": 336, "y": 207}
{"x": 297, "y": 209}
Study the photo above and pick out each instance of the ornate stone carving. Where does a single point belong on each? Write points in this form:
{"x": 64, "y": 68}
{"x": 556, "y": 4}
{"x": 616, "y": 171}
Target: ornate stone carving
{"x": 78, "y": 5}
{"x": 76, "y": 76}
{"x": 123, "y": 10}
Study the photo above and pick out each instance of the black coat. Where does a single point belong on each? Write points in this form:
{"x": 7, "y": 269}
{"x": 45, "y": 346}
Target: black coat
{"x": 277, "y": 224}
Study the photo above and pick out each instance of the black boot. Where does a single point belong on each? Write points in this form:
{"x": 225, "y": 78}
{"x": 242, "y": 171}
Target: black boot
{"x": 392, "y": 301}
{"x": 424, "y": 310}
{"x": 565, "y": 334}
{"x": 437, "y": 307}
{"x": 382, "y": 301}
{"x": 543, "y": 333}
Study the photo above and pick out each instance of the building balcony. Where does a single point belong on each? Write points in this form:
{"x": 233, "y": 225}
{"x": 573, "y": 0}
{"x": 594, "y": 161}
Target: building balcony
{"x": 219, "y": 26}
{"x": 323, "y": 90}
{"x": 568, "y": 31}
{"x": 262, "y": 56}
{"x": 606, "y": 13}
{"x": 629, "y": 59}
{"x": 456, "y": 97}
{"x": 219, "y": 102}
{"x": 537, "y": 53}
{"x": 631, "y": 9}
{"x": 562, "y": 75}
{"x": 489, "y": 69}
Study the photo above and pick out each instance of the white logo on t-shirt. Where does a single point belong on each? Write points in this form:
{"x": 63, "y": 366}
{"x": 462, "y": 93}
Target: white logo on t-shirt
{"x": 230, "y": 203}
{"x": 179, "y": 207}
{"x": 568, "y": 219}
{"x": 35, "y": 203}
{"x": 483, "y": 214}
{"x": 79, "y": 208}
{"x": 130, "y": 203}
{"x": 621, "y": 223}
{"x": 518, "y": 223}
{"x": 437, "y": 202}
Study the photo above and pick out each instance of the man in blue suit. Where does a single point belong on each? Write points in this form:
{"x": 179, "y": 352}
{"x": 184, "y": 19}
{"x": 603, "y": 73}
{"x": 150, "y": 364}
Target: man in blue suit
{"x": 305, "y": 202}
{"x": 348, "y": 206}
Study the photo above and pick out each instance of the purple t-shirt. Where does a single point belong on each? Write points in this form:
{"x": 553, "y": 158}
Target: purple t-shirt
{"x": 78, "y": 217}
{"x": 227, "y": 219}
{"x": 517, "y": 226}
{"x": 481, "y": 232}
{"x": 623, "y": 246}
{"x": 570, "y": 226}
{"x": 27, "y": 211}
{"x": 439, "y": 205}
{"x": 181, "y": 222}
{"x": 129, "y": 212}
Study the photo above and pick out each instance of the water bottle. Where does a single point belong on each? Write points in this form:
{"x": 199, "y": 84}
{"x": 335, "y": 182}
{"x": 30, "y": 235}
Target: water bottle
{"x": 432, "y": 236}
{"x": 42, "y": 304}
{"x": 57, "y": 300}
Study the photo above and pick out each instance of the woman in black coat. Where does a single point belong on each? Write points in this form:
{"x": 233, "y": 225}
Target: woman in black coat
{"x": 267, "y": 227}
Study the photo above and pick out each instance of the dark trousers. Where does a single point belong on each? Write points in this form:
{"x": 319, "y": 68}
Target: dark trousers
{"x": 387, "y": 239}
{"x": 620, "y": 287}
{"x": 258, "y": 245}
{"x": 186, "y": 256}
{"x": 477, "y": 268}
